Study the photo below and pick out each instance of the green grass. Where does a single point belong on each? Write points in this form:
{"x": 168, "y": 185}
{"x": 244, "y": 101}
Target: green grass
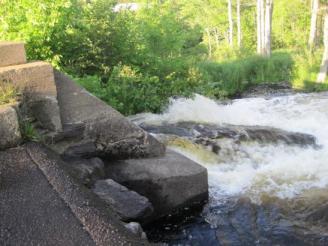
{"x": 8, "y": 93}
{"x": 231, "y": 78}
{"x": 28, "y": 131}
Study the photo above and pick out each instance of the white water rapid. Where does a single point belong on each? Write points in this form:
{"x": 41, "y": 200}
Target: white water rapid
{"x": 272, "y": 169}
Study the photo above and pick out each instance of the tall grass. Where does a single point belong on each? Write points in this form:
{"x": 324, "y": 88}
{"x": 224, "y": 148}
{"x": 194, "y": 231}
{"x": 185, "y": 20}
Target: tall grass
{"x": 230, "y": 78}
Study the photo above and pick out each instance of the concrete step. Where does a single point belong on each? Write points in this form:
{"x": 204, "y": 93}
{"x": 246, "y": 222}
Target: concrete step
{"x": 170, "y": 182}
{"x": 12, "y": 53}
{"x": 36, "y": 82}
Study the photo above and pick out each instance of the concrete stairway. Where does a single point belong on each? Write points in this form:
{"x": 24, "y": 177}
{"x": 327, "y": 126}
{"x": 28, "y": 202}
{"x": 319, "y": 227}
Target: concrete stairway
{"x": 75, "y": 125}
{"x": 70, "y": 117}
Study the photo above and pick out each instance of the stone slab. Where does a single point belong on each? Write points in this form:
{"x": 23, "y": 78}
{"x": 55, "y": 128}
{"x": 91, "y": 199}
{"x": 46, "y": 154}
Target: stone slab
{"x": 9, "y": 128}
{"x": 12, "y": 53}
{"x": 169, "y": 182}
{"x": 113, "y": 134}
{"x": 128, "y": 204}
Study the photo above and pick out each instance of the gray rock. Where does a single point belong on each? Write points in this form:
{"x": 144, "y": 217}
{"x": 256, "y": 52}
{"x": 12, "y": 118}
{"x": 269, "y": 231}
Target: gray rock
{"x": 87, "y": 171}
{"x": 169, "y": 182}
{"x": 112, "y": 134}
{"x": 128, "y": 204}
{"x": 136, "y": 229}
{"x": 81, "y": 150}
{"x": 9, "y": 128}
{"x": 207, "y": 132}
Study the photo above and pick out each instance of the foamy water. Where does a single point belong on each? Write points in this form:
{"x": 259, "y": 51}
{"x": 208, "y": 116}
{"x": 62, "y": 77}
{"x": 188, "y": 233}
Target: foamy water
{"x": 276, "y": 170}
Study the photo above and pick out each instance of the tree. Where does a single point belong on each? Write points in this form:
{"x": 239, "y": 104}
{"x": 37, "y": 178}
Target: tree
{"x": 238, "y": 23}
{"x": 230, "y": 23}
{"x": 259, "y": 25}
{"x": 313, "y": 29}
{"x": 324, "y": 64}
{"x": 268, "y": 28}
{"x": 264, "y": 27}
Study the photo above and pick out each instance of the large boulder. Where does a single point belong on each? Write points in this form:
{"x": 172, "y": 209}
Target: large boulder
{"x": 129, "y": 205}
{"x": 111, "y": 133}
{"x": 9, "y": 128}
{"x": 169, "y": 182}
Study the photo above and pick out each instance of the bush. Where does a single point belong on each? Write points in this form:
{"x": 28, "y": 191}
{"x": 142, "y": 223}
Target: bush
{"x": 131, "y": 92}
{"x": 307, "y": 66}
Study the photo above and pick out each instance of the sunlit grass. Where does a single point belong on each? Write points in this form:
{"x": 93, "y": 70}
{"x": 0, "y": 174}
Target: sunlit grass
{"x": 8, "y": 93}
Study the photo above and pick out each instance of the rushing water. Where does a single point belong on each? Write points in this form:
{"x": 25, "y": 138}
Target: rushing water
{"x": 260, "y": 193}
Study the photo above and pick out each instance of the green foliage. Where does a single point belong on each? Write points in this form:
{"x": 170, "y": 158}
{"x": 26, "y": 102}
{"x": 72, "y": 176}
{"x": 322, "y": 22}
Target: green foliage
{"x": 41, "y": 24}
{"x": 28, "y": 131}
{"x": 130, "y": 91}
{"x": 8, "y": 93}
{"x": 307, "y": 65}
{"x": 136, "y": 61}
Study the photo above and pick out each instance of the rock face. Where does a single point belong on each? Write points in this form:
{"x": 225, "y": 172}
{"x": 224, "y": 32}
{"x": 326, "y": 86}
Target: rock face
{"x": 169, "y": 182}
{"x": 260, "y": 134}
{"x": 36, "y": 82}
{"x": 112, "y": 134}
{"x": 128, "y": 204}
{"x": 12, "y": 53}
{"x": 9, "y": 128}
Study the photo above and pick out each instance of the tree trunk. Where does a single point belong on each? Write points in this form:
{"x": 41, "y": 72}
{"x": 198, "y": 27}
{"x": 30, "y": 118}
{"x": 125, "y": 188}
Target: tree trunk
{"x": 209, "y": 42}
{"x": 324, "y": 64}
{"x": 259, "y": 26}
{"x": 268, "y": 27}
{"x": 216, "y": 37}
{"x": 313, "y": 29}
{"x": 238, "y": 23}
{"x": 230, "y": 23}
{"x": 262, "y": 26}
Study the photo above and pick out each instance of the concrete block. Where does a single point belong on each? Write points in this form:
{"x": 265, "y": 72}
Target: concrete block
{"x": 34, "y": 79}
{"x": 169, "y": 182}
{"x": 12, "y": 53}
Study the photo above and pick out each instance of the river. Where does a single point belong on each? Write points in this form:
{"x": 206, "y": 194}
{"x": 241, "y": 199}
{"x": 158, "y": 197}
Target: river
{"x": 262, "y": 192}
